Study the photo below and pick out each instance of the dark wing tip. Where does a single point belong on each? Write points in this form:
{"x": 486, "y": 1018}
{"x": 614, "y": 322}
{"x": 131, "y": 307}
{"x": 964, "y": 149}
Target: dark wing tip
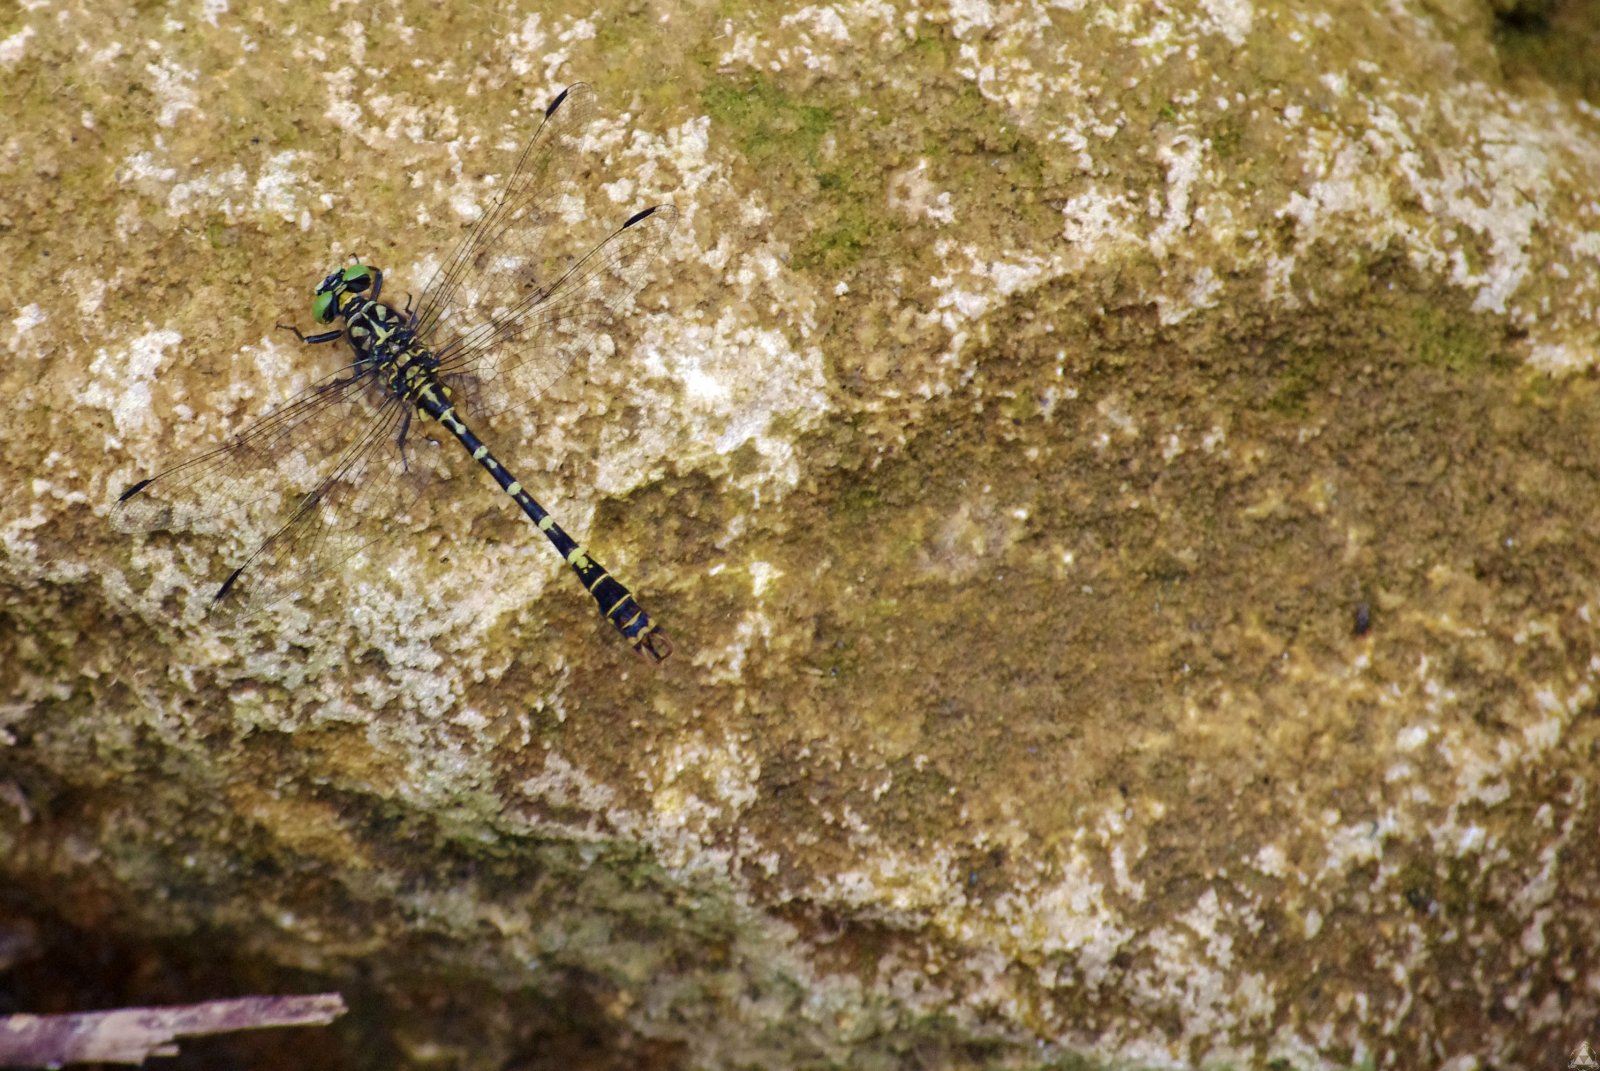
{"x": 560, "y": 99}
{"x": 644, "y": 214}
{"x": 227, "y": 586}
{"x": 135, "y": 489}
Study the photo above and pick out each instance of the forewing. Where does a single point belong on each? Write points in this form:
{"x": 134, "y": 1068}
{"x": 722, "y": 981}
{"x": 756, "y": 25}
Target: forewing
{"x": 482, "y": 272}
{"x": 525, "y": 347}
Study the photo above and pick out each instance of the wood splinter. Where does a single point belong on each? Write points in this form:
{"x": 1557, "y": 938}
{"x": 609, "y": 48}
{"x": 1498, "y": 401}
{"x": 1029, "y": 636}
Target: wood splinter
{"x": 133, "y": 1035}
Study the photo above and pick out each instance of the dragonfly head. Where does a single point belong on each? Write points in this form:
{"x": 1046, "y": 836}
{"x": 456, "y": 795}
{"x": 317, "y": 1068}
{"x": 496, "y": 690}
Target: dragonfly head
{"x": 331, "y": 295}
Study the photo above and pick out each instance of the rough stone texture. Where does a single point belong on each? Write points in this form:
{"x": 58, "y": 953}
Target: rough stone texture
{"x": 1121, "y": 478}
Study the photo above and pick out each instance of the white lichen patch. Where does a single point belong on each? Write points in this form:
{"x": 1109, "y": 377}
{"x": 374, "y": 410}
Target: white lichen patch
{"x": 748, "y": 390}
{"x": 725, "y": 664}
{"x": 970, "y": 286}
{"x": 24, "y": 339}
{"x": 564, "y": 784}
{"x": 763, "y": 575}
{"x": 174, "y": 90}
{"x": 698, "y": 788}
{"x": 913, "y": 192}
{"x": 14, "y": 47}
{"x": 277, "y": 192}
{"x": 124, "y": 379}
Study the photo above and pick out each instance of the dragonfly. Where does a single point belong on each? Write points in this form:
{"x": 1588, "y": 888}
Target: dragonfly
{"x": 504, "y": 317}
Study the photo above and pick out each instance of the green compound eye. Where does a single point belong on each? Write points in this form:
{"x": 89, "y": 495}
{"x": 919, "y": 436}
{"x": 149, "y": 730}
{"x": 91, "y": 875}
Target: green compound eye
{"x": 358, "y": 276}
{"x": 322, "y": 308}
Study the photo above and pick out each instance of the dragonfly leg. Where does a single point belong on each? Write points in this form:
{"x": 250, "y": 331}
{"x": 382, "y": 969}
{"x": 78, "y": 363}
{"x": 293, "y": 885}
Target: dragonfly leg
{"x": 400, "y": 440}
{"x": 312, "y": 340}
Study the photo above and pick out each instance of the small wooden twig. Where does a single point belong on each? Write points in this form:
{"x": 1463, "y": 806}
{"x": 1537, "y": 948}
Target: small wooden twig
{"x": 133, "y": 1035}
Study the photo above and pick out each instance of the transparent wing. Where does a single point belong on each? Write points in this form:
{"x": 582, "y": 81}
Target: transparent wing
{"x": 532, "y": 267}
{"x": 305, "y": 472}
{"x": 560, "y": 322}
{"x": 328, "y": 524}
{"x": 512, "y": 226}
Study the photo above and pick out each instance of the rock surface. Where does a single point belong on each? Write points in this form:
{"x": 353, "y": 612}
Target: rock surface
{"x": 1121, "y": 480}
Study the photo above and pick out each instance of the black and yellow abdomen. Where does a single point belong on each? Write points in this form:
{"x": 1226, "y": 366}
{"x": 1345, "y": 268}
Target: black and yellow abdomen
{"x": 509, "y": 311}
{"x": 383, "y": 339}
